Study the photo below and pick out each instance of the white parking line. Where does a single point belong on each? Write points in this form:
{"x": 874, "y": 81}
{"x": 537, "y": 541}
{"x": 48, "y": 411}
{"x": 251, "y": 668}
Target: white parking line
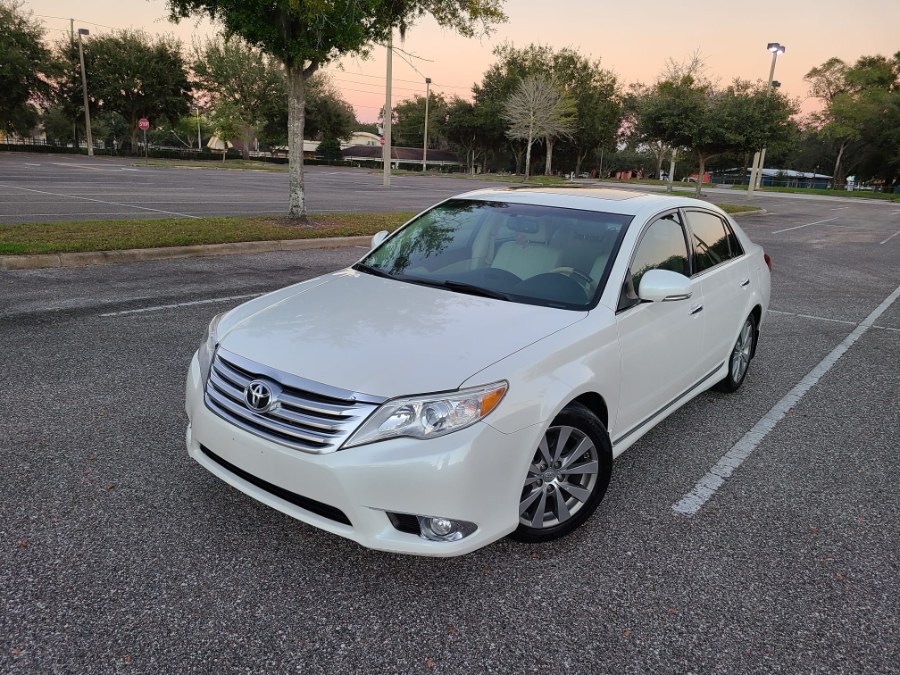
{"x": 707, "y": 486}
{"x": 810, "y": 316}
{"x": 799, "y": 227}
{"x": 159, "y": 308}
{"x": 100, "y": 201}
{"x": 839, "y": 208}
{"x": 889, "y": 238}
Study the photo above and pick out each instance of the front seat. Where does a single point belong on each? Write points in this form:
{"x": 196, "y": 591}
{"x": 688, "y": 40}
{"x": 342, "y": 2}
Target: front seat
{"x": 527, "y": 256}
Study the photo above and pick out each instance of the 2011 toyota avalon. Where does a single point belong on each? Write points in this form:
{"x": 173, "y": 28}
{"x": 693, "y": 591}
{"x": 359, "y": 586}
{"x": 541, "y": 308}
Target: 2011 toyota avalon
{"x": 477, "y": 372}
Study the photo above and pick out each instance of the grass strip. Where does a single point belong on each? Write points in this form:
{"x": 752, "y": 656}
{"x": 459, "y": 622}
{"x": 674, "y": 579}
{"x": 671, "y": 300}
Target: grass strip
{"x": 117, "y": 235}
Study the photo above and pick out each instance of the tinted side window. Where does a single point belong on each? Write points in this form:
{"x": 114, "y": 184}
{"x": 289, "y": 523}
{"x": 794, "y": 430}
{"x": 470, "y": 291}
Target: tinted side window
{"x": 710, "y": 240}
{"x": 734, "y": 243}
{"x": 662, "y": 247}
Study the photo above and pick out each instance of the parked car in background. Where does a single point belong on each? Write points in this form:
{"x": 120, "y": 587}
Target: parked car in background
{"x": 478, "y": 371}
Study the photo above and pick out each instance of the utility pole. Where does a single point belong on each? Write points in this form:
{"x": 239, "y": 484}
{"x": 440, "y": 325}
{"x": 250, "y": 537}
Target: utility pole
{"x": 425, "y": 144}
{"x": 386, "y": 156}
{"x": 87, "y": 111}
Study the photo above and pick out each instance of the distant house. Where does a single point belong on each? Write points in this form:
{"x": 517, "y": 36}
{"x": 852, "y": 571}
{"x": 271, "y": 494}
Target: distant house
{"x": 370, "y": 153}
{"x": 362, "y": 138}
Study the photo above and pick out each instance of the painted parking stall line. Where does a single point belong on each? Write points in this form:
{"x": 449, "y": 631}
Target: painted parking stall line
{"x": 715, "y": 478}
{"x": 176, "y": 305}
{"x": 800, "y": 227}
{"x": 100, "y": 201}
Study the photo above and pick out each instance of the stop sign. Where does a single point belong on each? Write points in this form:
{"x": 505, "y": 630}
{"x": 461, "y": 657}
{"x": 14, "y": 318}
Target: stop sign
{"x": 144, "y": 124}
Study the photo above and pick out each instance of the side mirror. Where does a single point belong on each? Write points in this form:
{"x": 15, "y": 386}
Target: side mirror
{"x": 664, "y": 286}
{"x": 379, "y": 237}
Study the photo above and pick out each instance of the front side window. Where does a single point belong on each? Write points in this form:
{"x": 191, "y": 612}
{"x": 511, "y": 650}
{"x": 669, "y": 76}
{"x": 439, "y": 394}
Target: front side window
{"x": 526, "y": 253}
{"x": 662, "y": 247}
{"x": 713, "y": 242}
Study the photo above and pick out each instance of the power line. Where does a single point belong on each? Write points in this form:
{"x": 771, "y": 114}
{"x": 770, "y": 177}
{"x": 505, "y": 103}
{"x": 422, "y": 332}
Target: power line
{"x": 69, "y": 18}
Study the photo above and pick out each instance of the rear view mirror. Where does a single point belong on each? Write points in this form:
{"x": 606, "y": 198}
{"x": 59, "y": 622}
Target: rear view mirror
{"x": 664, "y": 286}
{"x": 379, "y": 237}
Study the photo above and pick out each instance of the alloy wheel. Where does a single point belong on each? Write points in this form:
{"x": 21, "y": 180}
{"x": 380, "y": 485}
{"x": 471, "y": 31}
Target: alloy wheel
{"x": 561, "y": 478}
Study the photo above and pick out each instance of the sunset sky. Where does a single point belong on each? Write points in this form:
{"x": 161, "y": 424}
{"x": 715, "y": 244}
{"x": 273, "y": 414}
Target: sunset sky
{"x": 633, "y": 39}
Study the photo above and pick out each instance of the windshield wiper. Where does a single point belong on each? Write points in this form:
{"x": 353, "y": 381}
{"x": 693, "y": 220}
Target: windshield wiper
{"x": 368, "y": 269}
{"x": 471, "y": 289}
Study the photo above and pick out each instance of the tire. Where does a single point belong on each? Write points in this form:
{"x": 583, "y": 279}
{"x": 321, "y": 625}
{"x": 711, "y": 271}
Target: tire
{"x": 555, "y": 498}
{"x": 740, "y": 357}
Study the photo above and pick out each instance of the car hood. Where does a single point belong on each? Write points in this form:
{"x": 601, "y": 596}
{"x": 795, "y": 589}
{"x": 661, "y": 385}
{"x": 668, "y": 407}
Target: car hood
{"x": 383, "y": 337}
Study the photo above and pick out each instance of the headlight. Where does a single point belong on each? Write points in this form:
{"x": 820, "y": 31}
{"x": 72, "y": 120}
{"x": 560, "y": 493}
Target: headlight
{"x": 208, "y": 346}
{"x": 429, "y": 416}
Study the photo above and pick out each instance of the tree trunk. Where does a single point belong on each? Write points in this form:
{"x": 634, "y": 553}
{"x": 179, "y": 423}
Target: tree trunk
{"x": 548, "y": 169}
{"x": 660, "y": 156}
{"x": 528, "y": 153}
{"x": 702, "y": 159}
{"x": 579, "y": 158}
{"x": 837, "y": 176}
{"x": 296, "y": 121}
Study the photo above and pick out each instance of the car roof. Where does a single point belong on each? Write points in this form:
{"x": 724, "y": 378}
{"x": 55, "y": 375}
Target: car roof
{"x": 609, "y": 200}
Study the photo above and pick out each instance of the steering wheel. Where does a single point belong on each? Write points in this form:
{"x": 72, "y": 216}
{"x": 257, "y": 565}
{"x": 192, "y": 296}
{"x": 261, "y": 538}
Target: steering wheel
{"x": 577, "y": 275}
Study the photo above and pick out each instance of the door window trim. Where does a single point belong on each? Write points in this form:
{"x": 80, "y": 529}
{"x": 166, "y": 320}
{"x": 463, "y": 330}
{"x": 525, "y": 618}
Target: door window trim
{"x": 729, "y": 234}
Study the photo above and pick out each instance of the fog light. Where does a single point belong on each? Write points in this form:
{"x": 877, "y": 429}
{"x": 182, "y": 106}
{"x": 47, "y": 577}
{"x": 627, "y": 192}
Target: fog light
{"x": 440, "y": 526}
{"x": 435, "y": 528}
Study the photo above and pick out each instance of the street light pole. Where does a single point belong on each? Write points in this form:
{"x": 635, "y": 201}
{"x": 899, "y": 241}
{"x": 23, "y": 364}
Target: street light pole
{"x": 87, "y": 111}
{"x": 425, "y": 143}
{"x": 760, "y": 157}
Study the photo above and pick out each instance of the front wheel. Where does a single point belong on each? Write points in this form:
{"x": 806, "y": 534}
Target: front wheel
{"x": 739, "y": 359}
{"x": 568, "y": 476}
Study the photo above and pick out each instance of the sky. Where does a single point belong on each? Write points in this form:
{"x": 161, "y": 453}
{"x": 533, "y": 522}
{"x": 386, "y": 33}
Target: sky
{"x": 633, "y": 39}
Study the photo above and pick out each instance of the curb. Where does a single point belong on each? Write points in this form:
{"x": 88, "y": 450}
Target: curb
{"x": 94, "y": 258}
{"x": 740, "y": 214}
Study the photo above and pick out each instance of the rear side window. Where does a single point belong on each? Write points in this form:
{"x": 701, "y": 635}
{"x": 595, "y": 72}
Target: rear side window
{"x": 712, "y": 240}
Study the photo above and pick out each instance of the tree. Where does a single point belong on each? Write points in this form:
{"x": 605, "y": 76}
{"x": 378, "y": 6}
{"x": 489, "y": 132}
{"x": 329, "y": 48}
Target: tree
{"x": 231, "y": 71}
{"x": 594, "y": 93}
{"x": 25, "y": 67}
{"x": 306, "y": 34}
{"x": 861, "y": 114}
{"x": 409, "y": 121}
{"x": 130, "y": 74}
{"x": 690, "y": 112}
{"x": 328, "y": 115}
{"x": 462, "y": 129}
{"x": 536, "y": 110}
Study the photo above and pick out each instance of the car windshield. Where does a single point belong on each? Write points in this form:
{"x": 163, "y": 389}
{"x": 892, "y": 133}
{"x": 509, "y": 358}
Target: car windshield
{"x": 517, "y": 252}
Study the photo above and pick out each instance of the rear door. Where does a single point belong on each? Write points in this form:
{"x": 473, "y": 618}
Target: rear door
{"x": 723, "y": 272}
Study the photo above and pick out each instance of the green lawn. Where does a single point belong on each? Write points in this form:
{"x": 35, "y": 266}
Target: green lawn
{"x": 113, "y": 235}
{"x": 117, "y": 235}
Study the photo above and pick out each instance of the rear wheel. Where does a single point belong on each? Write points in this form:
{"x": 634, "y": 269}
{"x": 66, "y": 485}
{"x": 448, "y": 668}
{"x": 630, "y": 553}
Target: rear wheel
{"x": 739, "y": 359}
{"x": 568, "y": 476}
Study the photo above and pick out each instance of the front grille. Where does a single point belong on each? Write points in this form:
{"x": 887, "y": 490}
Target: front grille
{"x": 306, "y": 503}
{"x": 308, "y": 416}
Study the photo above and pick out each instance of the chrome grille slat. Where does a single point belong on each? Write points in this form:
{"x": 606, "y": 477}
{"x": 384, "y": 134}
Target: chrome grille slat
{"x": 266, "y": 421}
{"x": 309, "y": 417}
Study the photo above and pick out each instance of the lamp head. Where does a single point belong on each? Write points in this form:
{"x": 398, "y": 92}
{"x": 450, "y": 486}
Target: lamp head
{"x": 427, "y": 80}
{"x": 775, "y": 48}
{"x": 84, "y": 31}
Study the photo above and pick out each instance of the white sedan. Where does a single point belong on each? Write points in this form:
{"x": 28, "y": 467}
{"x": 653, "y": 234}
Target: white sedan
{"x": 477, "y": 372}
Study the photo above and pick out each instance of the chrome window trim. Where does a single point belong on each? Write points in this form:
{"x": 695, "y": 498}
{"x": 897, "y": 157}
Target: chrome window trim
{"x": 729, "y": 231}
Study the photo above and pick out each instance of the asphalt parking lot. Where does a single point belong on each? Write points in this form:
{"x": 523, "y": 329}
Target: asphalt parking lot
{"x": 120, "y": 554}
{"x": 49, "y": 188}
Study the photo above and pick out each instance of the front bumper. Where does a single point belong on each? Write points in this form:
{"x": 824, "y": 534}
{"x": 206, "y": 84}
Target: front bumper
{"x": 474, "y": 475}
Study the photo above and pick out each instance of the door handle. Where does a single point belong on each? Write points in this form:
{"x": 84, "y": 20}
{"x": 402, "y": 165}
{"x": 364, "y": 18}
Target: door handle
{"x": 696, "y": 309}
{"x": 745, "y": 282}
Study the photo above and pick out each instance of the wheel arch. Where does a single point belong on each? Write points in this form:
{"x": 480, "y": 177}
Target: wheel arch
{"x": 596, "y": 404}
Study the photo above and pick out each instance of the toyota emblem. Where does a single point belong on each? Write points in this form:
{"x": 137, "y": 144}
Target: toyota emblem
{"x": 258, "y": 396}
